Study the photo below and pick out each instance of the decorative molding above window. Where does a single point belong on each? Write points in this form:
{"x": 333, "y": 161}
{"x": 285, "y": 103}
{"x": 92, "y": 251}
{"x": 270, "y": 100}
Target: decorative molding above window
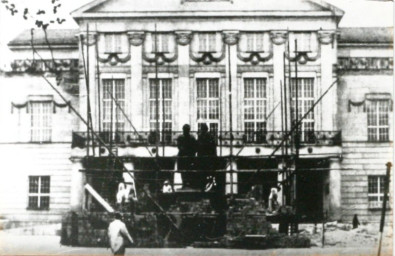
{"x": 255, "y": 48}
{"x": 160, "y": 48}
{"x": 371, "y": 97}
{"x": 308, "y": 47}
{"x": 113, "y": 48}
{"x": 207, "y": 48}
{"x": 365, "y": 63}
{"x": 39, "y": 98}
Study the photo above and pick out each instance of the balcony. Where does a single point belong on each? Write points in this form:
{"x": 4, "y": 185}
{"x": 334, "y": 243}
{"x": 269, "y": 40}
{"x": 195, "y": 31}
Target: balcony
{"x": 238, "y": 138}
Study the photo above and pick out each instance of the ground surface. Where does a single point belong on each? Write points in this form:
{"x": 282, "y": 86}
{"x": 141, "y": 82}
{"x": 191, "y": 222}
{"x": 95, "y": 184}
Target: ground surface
{"x": 340, "y": 239}
{"x": 11, "y": 244}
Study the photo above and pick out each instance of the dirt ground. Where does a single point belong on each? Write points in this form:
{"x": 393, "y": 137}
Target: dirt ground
{"x": 340, "y": 239}
{"x": 342, "y": 235}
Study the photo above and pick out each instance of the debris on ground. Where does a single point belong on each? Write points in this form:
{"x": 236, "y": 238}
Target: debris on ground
{"x": 343, "y": 235}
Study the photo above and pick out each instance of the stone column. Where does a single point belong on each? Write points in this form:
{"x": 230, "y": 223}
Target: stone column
{"x": 77, "y": 186}
{"x": 231, "y": 38}
{"x": 278, "y": 39}
{"x": 328, "y": 103}
{"x": 334, "y": 203}
{"x": 183, "y": 39}
{"x": 136, "y": 39}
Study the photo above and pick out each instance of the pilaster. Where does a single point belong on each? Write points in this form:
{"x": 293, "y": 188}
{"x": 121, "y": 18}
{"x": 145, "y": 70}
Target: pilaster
{"x": 136, "y": 39}
{"x": 326, "y": 39}
{"x": 77, "y": 186}
{"x": 231, "y": 39}
{"x": 278, "y": 38}
{"x": 334, "y": 203}
{"x": 183, "y": 39}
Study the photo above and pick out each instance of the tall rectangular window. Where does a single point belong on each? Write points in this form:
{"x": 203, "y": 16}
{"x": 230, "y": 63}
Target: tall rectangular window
{"x": 112, "y": 117}
{"x": 41, "y": 121}
{"x": 378, "y": 127}
{"x": 376, "y": 190}
{"x": 207, "y": 42}
{"x": 39, "y": 189}
{"x": 255, "y": 42}
{"x": 164, "y": 101}
{"x": 254, "y": 107}
{"x": 208, "y": 103}
{"x": 305, "y": 103}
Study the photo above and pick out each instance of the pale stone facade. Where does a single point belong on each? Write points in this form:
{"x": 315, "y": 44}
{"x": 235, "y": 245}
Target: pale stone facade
{"x": 225, "y": 42}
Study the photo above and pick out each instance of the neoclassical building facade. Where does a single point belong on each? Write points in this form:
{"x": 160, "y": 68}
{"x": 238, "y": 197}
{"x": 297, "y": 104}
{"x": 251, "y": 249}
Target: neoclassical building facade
{"x": 138, "y": 72}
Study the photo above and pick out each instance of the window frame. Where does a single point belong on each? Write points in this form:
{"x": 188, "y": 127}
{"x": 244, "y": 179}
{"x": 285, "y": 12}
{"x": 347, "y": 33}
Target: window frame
{"x": 378, "y": 196}
{"x": 42, "y": 137}
{"x": 255, "y": 99}
{"x": 377, "y": 136}
{"x": 212, "y": 123}
{"x": 118, "y": 123}
{"x": 39, "y": 194}
{"x": 303, "y": 106}
{"x": 152, "y": 102}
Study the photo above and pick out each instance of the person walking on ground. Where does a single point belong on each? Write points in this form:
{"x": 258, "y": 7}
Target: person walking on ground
{"x": 117, "y": 235}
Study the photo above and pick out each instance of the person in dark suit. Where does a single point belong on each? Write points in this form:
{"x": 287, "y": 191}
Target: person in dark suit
{"x": 206, "y": 143}
{"x": 187, "y": 146}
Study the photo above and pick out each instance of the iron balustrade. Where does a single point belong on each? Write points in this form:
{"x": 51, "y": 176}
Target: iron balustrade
{"x": 240, "y": 138}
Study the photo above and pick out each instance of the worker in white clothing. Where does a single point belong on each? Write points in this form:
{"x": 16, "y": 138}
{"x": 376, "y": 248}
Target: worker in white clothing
{"x": 118, "y": 235}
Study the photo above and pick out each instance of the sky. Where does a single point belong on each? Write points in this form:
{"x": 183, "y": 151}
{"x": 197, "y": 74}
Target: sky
{"x": 358, "y": 13}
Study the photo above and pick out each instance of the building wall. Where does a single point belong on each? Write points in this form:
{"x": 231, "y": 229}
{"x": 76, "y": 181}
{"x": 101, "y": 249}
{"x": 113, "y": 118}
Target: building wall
{"x": 21, "y": 158}
{"x": 19, "y": 161}
{"x": 361, "y": 158}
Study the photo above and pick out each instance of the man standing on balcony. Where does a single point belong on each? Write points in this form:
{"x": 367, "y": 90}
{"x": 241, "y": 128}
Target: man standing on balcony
{"x": 186, "y": 143}
{"x": 187, "y": 147}
{"x": 206, "y": 143}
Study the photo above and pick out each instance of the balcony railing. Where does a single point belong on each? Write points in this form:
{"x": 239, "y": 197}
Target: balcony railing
{"x": 238, "y": 138}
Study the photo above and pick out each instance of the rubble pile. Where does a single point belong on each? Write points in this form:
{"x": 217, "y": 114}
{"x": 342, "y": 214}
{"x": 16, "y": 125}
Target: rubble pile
{"x": 343, "y": 235}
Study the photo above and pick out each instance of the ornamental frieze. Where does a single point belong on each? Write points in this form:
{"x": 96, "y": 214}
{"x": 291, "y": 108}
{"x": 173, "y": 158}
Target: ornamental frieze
{"x": 37, "y": 66}
{"x": 365, "y": 63}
